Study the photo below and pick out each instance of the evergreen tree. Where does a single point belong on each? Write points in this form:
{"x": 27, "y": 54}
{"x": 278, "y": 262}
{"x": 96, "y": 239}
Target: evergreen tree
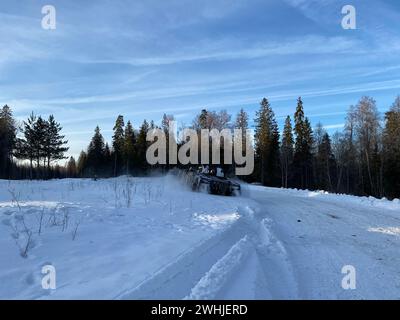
{"x": 339, "y": 152}
{"x": 242, "y": 123}
{"x": 166, "y": 126}
{"x": 108, "y": 161}
{"x": 39, "y": 140}
{"x": 8, "y": 134}
{"x": 325, "y": 163}
{"x": 391, "y": 150}
{"x": 54, "y": 143}
{"x": 302, "y": 161}
{"x": 201, "y": 121}
{"x": 129, "y": 147}
{"x": 318, "y": 168}
{"x": 287, "y": 152}
{"x": 267, "y": 144}
{"x": 26, "y": 146}
{"x": 96, "y": 154}
{"x": 118, "y": 144}
{"x": 141, "y": 146}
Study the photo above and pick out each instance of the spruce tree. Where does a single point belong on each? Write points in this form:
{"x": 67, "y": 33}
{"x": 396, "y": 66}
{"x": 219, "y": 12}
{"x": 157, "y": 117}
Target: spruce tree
{"x": 39, "y": 140}
{"x": 8, "y": 139}
{"x": 166, "y": 126}
{"x": 391, "y": 151}
{"x": 96, "y": 154}
{"x": 202, "y": 121}
{"x": 242, "y": 123}
{"x": 287, "y": 152}
{"x": 303, "y": 148}
{"x": 118, "y": 144}
{"x": 129, "y": 147}
{"x": 108, "y": 161}
{"x": 141, "y": 146}
{"x": 267, "y": 144}
{"x": 54, "y": 146}
{"x": 325, "y": 163}
{"x": 26, "y": 146}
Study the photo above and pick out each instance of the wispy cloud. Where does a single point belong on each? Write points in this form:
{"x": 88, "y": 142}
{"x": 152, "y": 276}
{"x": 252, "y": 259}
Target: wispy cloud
{"x": 218, "y": 51}
{"x": 334, "y": 126}
{"x": 143, "y": 58}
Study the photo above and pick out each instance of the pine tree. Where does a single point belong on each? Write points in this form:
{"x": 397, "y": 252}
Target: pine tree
{"x": 318, "y": 167}
{"x": 391, "y": 150}
{"x": 267, "y": 144}
{"x": 325, "y": 163}
{"x": 108, "y": 161}
{"x": 54, "y": 146}
{"x": 118, "y": 144}
{"x": 303, "y": 148}
{"x": 201, "y": 122}
{"x": 166, "y": 126}
{"x": 129, "y": 147}
{"x": 339, "y": 152}
{"x": 26, "y": 146}
{"x": 287, "y": 152}
{"x": 96, "y": 154}
{"x": 39, "y": 140}
{"x": 141, "y": 145}
{"x": 242, "y": 123}
{"x": 8, "y": 139}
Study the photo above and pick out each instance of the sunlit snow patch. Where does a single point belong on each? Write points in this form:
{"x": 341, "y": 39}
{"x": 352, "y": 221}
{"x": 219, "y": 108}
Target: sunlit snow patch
{"x": 216, "y": 221}
{"x": 40, "y": 204}
{"x": 393, "y": 231}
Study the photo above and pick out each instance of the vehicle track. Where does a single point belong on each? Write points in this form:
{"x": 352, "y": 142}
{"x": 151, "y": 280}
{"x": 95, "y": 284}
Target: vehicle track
{"x": 207, "y": 270}
{"x": 176, "y": 280}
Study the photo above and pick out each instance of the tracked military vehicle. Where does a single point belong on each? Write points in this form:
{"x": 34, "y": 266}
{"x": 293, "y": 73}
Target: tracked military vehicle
{"x": 211, "y": 180}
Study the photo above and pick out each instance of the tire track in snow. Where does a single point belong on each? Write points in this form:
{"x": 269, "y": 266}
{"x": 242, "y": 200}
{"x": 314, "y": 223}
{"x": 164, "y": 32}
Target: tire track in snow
{"x": 176, "y": 280}
{"x": 209, "y": 269}
{"x": 275, "y": 264}
{"x": 268, "y": 273}
{"x": 215, "y": 279}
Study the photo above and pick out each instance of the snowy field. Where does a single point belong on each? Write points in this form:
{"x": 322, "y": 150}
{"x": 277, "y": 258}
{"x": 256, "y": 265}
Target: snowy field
{"x": 151, "y": 238}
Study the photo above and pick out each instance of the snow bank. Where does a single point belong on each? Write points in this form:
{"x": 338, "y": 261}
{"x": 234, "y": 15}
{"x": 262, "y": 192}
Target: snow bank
{"x": 333, "y": 197}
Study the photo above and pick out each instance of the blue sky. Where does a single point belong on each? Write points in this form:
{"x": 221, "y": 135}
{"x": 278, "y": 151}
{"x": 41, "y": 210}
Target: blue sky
{"x": 144, "y": 58}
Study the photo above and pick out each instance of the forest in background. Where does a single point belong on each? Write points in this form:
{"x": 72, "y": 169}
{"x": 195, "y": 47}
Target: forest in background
{"x": 362, "y": 159}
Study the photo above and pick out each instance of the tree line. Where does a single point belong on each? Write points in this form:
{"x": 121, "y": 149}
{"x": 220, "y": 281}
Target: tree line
{"x": 363, "y": 159}
{"x": 37, "y": 142}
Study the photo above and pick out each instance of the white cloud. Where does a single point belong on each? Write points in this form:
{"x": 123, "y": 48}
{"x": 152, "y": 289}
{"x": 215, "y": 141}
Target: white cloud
{"x": 230, "y": 50}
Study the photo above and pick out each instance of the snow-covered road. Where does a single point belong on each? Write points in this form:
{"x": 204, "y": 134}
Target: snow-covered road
{"x": 291, "y": 246}
{"x": 322, "y": 233}
{"x": 150, "y": 238}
